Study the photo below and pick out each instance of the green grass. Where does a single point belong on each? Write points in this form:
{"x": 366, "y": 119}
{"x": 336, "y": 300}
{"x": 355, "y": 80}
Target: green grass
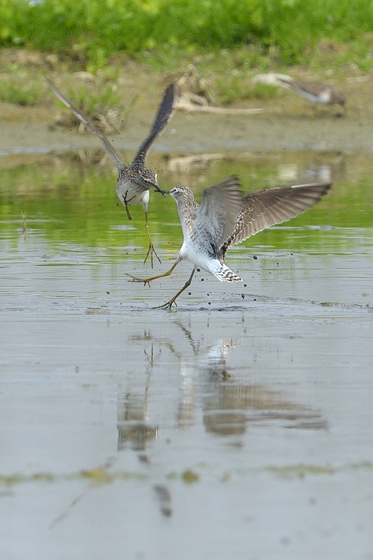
{"x": 101, "y": 103}
{"x": 234, "y": 87}
{"x": 227, "y": 40}
{"x": 89, "y": 31}
{"x": 20, "y": 90}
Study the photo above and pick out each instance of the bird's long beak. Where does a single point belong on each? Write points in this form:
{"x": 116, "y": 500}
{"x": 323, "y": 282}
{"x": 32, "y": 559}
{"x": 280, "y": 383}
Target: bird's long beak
{"x": 163, "y": 193}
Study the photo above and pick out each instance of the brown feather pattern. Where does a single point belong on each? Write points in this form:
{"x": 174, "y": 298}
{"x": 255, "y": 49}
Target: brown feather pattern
{"x": 266, "y": 208}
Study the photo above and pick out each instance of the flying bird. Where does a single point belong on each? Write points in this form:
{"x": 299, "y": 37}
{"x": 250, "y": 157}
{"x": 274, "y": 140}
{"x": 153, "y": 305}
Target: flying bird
{"x": 135, "y": 180}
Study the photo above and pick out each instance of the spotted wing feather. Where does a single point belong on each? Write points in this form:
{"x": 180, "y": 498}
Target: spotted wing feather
{"x": 266, "y": 208}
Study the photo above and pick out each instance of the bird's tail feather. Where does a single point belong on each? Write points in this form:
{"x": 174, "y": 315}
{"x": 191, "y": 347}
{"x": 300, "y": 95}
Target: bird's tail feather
{"x": 225, "y": 274}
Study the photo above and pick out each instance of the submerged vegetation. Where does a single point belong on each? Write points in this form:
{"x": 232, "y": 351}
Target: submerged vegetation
{"x": 92, "y": 30}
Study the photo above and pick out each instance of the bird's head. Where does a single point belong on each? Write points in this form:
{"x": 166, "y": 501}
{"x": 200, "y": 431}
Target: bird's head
{"x": 148, "y": 179}
{"x": 180, "y": 193}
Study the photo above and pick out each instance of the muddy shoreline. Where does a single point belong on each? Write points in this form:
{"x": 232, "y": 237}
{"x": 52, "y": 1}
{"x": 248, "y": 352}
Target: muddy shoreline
{"x": 195, "y": 133}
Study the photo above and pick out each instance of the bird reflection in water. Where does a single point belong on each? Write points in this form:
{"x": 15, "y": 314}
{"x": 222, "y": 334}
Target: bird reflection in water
{"x": 163, "y": 496}
{"x": 134, "y": 430}
{"x": 230, "y": 402}
{"x": 233, "y": 406}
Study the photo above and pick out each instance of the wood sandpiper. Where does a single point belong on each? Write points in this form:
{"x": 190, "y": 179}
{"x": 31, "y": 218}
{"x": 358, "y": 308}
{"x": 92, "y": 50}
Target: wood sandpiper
{"x": 134, "y": 181}
{"x": 316, "y": 92}
{"x": 226, "y": 217}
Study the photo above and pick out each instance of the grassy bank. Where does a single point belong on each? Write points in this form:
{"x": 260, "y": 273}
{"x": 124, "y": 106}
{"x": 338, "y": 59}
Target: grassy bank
{"x": 120, "y": 42}
{"x": 91, "y": 30}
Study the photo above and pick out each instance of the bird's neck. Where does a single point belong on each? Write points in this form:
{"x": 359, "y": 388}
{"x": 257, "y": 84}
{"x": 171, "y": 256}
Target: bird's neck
{"x": 187, "y": 208}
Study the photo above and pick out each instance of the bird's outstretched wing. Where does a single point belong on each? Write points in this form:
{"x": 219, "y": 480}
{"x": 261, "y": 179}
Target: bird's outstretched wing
{"x": 216, "y": 218}
{"x": 108, "y": 147}
{"x": 263, "y": 209}
{"x": 165, "y": 112}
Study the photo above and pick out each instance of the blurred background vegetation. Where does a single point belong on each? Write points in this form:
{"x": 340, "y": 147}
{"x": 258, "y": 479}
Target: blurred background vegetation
{"x": 227, "y": 41}
{"x": 90, "y": 31}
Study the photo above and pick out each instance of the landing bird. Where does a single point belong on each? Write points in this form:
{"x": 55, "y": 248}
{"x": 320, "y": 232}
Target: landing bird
{"x": 226, "y": 217}
{"x": 316, "y": 92}
{"x": 134, "y": 181}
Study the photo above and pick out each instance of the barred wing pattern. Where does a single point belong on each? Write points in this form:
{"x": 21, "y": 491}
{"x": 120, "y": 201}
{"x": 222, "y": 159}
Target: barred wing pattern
{"x": 165, "y": 112}
{"x": 107, "y": 145}
{"x": 266, "y": 208}
{"x": 216, "y": 218}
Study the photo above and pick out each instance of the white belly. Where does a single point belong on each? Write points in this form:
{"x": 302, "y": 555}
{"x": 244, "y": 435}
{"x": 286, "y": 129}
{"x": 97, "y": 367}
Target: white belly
{"x": 201, "y": 260}
{"x": 198, "y": 258}
{"x": 129, "y": 193}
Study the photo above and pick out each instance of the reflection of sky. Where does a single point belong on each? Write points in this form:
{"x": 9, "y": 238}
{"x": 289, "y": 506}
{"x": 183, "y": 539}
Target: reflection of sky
{"x": 243, "y": 417}
{"x": 231, "y": 422}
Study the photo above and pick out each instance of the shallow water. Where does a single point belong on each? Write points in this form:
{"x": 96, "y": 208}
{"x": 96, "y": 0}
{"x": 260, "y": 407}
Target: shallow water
{"x": 238, "y": 425}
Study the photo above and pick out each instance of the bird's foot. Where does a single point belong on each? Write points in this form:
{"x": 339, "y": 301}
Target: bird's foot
{"x": 151, "y": 252}
{"x": 146, "y": 281}
{"x": 167, "y": 305}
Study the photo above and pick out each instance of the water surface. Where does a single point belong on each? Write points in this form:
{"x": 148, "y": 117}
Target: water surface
{"x": 238, "y": 425}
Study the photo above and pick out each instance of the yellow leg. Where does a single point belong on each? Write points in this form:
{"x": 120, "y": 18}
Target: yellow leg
{"x": 151, "y": 249}
{"x": 148, "y": 280}
{"x": 169, "y": 303}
